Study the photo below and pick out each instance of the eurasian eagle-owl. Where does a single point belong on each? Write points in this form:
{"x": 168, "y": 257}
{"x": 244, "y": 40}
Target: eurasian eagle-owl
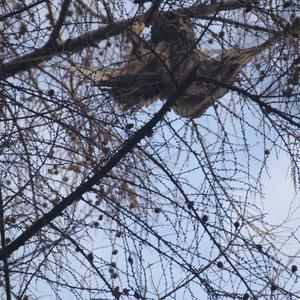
{"x": 158, "y": 66}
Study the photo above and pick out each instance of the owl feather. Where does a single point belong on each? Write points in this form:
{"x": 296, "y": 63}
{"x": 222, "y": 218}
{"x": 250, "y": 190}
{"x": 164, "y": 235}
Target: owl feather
{"x": 157, "y": 70}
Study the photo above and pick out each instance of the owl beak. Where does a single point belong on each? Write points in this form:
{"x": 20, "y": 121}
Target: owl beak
{"x": 181, "y": 23}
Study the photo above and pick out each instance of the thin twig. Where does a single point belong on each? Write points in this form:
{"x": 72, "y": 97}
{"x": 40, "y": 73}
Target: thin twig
{"x": 91, "y": 38}
{"x": 99, "y": 173}
{"x": 4, "y": 259}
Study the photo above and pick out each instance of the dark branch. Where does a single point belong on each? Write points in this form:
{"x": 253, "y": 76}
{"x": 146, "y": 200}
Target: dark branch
{"x": 99, "y": 173}
{"x": 22, "y": 9}
{"x": 254, "y": 98}
{"x": 62, "y": 16}
{"x": 69, "y": 46}
{"x": 3, "y": 242}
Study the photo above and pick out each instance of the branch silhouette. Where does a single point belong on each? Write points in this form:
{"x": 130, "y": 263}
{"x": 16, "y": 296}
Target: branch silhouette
{"x": 98, "y": 174}
{"x": 69, "y": 46}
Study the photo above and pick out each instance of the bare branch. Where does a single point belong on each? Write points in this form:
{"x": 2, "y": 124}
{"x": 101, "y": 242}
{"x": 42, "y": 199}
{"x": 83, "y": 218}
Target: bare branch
{"x": 3, "y": 242}
{"x": 99, "y": 173}
{"x": 55, "y": 32}
{"x": 25, "y": 8}
{"x": 34, "y": 58}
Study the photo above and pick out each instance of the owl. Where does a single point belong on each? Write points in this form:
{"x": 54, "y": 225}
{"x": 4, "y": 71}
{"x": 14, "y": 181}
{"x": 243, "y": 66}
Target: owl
{"x": 174, "y": 42}
{"x": 171, "y": 30}
{"x": 152, "y": 70}
{"x": 215, "y": 73}
{"x": 156, "y": 67}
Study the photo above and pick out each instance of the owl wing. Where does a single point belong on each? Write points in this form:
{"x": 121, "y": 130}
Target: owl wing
{"x": 138, "y": 82}
{"x": 134, "y": 85}
{"x": 200, "y": 95}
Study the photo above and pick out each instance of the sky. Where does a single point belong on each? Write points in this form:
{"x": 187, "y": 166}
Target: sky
{"x": 282, "y": 202}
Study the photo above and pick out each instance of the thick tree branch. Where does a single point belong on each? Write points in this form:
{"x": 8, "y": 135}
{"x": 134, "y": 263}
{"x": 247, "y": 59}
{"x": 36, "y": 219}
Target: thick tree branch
{"x": 69, "y": 46}
{"x": 98, "y": 173}
{"x": 61, "y": 18}
{"x": 152, "y": 11}
{"x": 198, "y": 11}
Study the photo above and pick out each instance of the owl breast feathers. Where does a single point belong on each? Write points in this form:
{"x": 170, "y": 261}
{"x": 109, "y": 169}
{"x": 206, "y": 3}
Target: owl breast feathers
{"x": 158, "y": 66}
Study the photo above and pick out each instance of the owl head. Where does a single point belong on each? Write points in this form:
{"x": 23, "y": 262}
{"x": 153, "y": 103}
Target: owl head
{"x": 172, "y": 27}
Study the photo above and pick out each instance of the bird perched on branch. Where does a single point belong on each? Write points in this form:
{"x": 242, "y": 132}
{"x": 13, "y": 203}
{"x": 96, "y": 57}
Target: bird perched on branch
{"x": 157, "y": 67}
{"x": 135, "y": 84}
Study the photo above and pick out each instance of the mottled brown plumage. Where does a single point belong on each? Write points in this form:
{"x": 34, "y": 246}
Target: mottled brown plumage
{"x": 157, "y": 67}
